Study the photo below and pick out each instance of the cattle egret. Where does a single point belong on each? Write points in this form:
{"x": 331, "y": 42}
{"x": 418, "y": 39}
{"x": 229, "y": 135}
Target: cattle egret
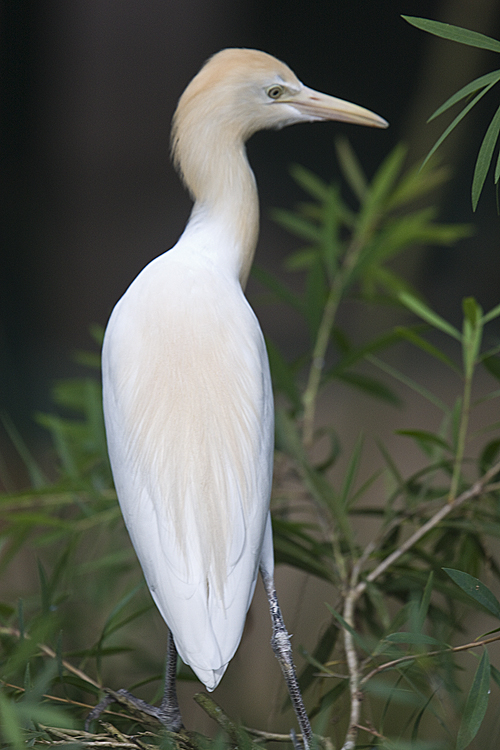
{"x": 188, "y": 402}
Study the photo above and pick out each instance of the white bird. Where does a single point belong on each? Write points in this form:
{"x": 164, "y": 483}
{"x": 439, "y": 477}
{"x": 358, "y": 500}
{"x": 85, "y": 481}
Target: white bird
{"x": 187, "y": 393}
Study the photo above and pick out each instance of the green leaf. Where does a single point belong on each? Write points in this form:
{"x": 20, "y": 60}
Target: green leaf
{"x": 425, "y": 437}
{"x": 280, "y": 290}
{"x": 297, "y": 225}
{"x": 315, "y": 296}
{"x": 484, "y": 158}
{"x": 495, "y": 673}
{"x": 282, "y": 374}
{"x": 415, "y": 639}
{"x": 424, "y": 311}
{"x": 454, "y": 33}
{"x": 455, "y": 122}
{"x": 414, "y": 338}
{"x": 351, "y": 168}
{"x": 489, "y": 455}
{"x": 476, "y": 704}
{"x": 475, "y": 589}
{"x": 320, "y": 655}
{"x": 379, "y": 190}
{"x": 289, "y": 441}
{"x": 490, "y": 79}
{"x": 310, "y": 182}
{"x": 472, "y": 311}
{"x": 371, "y": 386}
{"x": 351, "y": 472}
{"x": 37, "y": 477}
{"x": 414, "y": 385}
{"x": 362, "y": 643}
{"x": 492, "y": 314}
{"x": 424, "y": 603}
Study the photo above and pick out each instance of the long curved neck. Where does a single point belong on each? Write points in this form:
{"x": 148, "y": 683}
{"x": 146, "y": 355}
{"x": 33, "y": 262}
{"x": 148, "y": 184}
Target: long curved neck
{"x": 225, "y": 216}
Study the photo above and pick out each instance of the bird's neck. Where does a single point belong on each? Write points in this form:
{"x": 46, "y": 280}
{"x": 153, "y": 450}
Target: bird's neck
{"x": 225, "y": 216}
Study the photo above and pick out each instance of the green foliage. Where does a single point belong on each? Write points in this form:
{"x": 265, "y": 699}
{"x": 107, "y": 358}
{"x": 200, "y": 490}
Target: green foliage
{"x": 476, "y": 89}
{"x": 398, "y": 602}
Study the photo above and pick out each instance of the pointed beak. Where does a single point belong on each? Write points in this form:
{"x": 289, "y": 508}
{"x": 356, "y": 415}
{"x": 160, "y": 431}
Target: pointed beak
{"x": 317, "y": 106}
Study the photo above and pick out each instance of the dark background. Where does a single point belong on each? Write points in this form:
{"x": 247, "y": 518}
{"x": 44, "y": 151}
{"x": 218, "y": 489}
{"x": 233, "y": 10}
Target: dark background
{"x": 88, "y": 91}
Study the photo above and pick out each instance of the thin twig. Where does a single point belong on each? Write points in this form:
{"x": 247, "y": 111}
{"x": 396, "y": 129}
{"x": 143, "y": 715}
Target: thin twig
{"x": 412, "y": 657}
{"x": 478, "y": 488}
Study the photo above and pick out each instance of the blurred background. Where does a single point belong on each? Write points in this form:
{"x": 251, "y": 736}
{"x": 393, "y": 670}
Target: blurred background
{"x": 90, "y": 197}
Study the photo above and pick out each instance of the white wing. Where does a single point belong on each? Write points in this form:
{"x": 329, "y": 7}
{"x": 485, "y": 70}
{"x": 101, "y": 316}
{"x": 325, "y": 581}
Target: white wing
{"x": 189, "y": 421}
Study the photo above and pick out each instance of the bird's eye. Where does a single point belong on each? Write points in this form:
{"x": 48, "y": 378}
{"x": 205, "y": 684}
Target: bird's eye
{"x": 274, "y": 92}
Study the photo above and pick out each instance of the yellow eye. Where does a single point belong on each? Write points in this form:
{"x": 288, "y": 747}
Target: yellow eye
{"x": 274, "y": 92}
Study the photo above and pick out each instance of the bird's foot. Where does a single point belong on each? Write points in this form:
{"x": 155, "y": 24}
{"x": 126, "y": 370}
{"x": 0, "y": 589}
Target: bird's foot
{"x": 167, "y": 715}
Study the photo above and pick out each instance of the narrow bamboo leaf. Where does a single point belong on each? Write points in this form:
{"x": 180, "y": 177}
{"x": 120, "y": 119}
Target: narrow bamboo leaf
{"x": 310, "y": 182}
{"x": 332, "y": 245}
{"x": 282, "y": 374}
{"x": 351, "y": 168}
{"x": 315, "y": 296}
{"x": 371, "y": 386}
{"x": 475, "y": 589}
{"x": 425, "y": 602}
{"x": 380, "y": 188}
{"x": 297, "y": 225}
{"x": 11, "y": 724}
{"x": 471, "y": 88}
{"x": 497, "y": 176}
{"x": 410, "y": 383}
{"x": 492, "y": 364}
{"x": 352, "y": 471}
{"x": 454, "y": 33}
{"x": 425, "y": 437}
{"x": 116, "y": 611}
{"x": 484, "y": 158}
{"x": 320, "y": 655}
{"x": 415, "y": 639}
{"x": 472, "y": 311}
{"x": 301, "y": 260}
{"x": 289, "y": 441}
{"x": 327, "y": 701}
{"x": 280, "y": 290}
{"x": 476, "y": 704}
{"x": 351, "y": 355}
{"x": 362, "y": 643}
{"x": 492, "y": 314}
{"x": 495, "y": 673}
{"x": 414, "y": 338}
{"x": 423, "y": 311}
{"x": 37, "y": 477}
{"x": 455, "y": 122}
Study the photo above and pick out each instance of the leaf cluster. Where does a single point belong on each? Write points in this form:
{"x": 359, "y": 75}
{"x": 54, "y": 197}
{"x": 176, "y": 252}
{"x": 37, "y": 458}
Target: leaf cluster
{"x": 472, "y": 92}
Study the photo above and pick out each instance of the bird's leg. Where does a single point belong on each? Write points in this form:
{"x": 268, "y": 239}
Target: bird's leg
{"x": 169, "y": 705}
{"x": 167, "y": 713}
{"x": 280, "y": 642}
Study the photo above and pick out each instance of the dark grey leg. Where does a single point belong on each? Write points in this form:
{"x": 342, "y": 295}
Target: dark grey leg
{"x": 167, "y": 714}
{"x": 280, "y": 642}
{"x": 169, "y": 705}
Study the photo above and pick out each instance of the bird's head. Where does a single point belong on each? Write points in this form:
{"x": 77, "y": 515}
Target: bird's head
{"x": 244, "y": 90}
{"x": 236, "y": 93}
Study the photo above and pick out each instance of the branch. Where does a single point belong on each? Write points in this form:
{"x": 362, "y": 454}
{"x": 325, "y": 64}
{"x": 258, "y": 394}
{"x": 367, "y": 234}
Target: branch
{"x": 478, "y": 488}
{"x": 412, "y": 657}
{"x": 357, "y": 589}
